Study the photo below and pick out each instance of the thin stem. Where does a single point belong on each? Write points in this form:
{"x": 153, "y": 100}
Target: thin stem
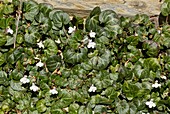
{"x": 17, "y": 22}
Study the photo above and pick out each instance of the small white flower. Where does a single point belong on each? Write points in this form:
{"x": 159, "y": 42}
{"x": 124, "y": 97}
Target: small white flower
{"x": 9, "y": 30}
{"x": 24, "y": 80}
{"x": 71, "y": 29}
{"x": 156, "y": 85}
{"x": 136, "y": 34}
{"x": 71, "y": 17}
{"x": 53, "y": 91}
{"x": 159, "y": 31}
{"x": 36, "y": 58}
{"x": 150, "y": 103}
{"x": 92, "y": 88}
{"x": 40, "y": 64}
{"x": 92, "y": 34}
{"x": 58, "y": 41}
{"x": 163, "y": 77}
{"x": 34, "y": 87}
{"x": 91, "y": 44}
{"x": 66, "y": 109}
{"x": 40, "y": 44}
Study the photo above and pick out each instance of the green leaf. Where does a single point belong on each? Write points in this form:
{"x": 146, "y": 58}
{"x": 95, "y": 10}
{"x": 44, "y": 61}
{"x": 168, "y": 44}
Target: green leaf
{"x": 8, "y": 9}
{"x": 44, "y": 23}
{"x": 50, "y": 47}
{"x": 40, "y": 106}
{"x": 111, "y": 22}
{"x": 31, "y": 9}
{"x": 45, "y": 8}
{"x": 165, "y": 37}
{"x": 141, "y": 19}
{"x": 111, "y": 93}
{"x": 53, "y": 62}
{"x": 57, "y": 111}
{"x": 165, "y": 9}
{"x": 30, "y": 39}
{"x": 101, "y": 62}
{"x": 5, "y": 22}
{"x": 103, "y": 40}
{"x": 19, "y": 39}
{"x": 16, "y": 55}
{"x": 95, "y": 11}
{"x": 16, "y": 86}
{"x": 102, "y": 100}
{"x": 151, "y": 47}
{"x": 71, "y": 56}
{"x": 84, "y": 110}
{"x": 132, "y": 40}
{"x": 92, "y": 22}
{"x": 3, "y": 78}
{"x": 65, "y": 98}
{"x": 60, "y": 19}
{"x": 2, "y": 58}
{"x": 3, "y": 40}
{"x": 10, "y": 41}
{"x": 131, "y": 90}
{"x": 152, "y": 64}
{"x": 132, "y": 109}
{"x": 73, "y": 108}
{"x": 100, "y": 109}
{"x": 123, "y": 107}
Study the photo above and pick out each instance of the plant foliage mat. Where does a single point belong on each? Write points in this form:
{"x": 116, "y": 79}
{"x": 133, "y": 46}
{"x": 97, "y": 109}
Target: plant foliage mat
{"x": 104, "y": 64}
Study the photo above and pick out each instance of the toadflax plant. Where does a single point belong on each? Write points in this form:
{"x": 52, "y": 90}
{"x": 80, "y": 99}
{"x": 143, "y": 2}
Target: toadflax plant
{"x": 104, "y": 64}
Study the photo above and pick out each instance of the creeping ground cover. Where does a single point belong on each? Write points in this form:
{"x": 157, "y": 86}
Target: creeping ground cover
{"x": 52, "y": 63}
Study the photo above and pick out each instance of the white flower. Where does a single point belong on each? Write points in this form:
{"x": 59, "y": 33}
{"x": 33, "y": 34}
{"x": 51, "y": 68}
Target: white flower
{"x": 58, "y": 41}
{"x": 36, "y": 58}
{"x": 136, "y": 34}
{"x": 24, "y": 80}
{"x": 156, "y": 85}
{"x": 71, "y": 17}
{"x": 163, "y": 77}
{"x": 150, "y": 103}
{"x": 92, "y": 34}
{"x": 40, "y": 64}
{"x": 91, "y": 44}
{"x": 71, "y": 29}
{"x": 9, "y": 30}
{"x": 159, "y": 31}
{"x": 92, "y": 88}
{"x": 34, "y": 87}
{"x": 53, "y": 91}
{"x": 66, "y": 109}
{"x": 40, "y": 44}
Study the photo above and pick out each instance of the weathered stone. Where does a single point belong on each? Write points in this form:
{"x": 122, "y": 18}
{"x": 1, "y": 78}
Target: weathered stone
{"x": 123, "y": 7}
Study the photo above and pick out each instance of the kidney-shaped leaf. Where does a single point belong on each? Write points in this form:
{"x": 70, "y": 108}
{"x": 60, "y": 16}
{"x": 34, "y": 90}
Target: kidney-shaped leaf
{"x": 60, "y": 19}
{"x": 101, "y": 62}
{"x": 53, "y": 62}
{"x": 71, "y": 56}
{"x": 31, "y": 9}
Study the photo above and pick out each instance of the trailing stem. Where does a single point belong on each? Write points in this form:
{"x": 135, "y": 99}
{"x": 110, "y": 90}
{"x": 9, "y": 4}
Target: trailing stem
{"x": 17, "y": 22}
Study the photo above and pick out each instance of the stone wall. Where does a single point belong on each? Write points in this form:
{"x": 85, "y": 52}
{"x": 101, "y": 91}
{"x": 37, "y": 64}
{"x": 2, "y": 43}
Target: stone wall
{"x": 122, "y": 7}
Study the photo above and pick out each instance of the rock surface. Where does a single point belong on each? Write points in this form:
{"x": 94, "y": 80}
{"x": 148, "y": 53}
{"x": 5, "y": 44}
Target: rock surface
{"x": 122, "y": 7}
